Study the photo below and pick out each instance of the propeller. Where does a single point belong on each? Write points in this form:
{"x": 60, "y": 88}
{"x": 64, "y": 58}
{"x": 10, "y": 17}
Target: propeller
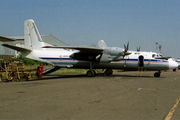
{"x": 126, "y": 48}
{"x": 138, "y": 49}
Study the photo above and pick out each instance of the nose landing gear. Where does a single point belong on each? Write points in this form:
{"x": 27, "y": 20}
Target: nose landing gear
{"x": 157, "y": 74}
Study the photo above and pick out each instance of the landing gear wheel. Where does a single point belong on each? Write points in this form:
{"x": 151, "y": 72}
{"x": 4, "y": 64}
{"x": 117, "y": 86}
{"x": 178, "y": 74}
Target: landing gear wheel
{"x": 94, "y": 72}
{"x": 90, "y": 73}
{"x": 157, "y": 74}
{"x": 108, "y": 72}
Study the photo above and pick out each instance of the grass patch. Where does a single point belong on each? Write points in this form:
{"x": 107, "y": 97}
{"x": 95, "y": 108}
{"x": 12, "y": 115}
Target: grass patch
{"x": 66, "y": 71}
{"x": 33, "y": 67}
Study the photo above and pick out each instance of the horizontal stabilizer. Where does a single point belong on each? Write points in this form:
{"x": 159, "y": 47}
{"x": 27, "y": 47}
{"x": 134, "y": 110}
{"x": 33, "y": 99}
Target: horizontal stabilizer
{"x": 16, "y": 48}
{"x": 5, "y": 39}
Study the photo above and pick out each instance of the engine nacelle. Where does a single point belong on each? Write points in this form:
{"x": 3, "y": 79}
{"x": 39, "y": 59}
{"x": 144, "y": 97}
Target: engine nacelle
{"x": 105, "y": 58}
{"x": 85, "y": 56}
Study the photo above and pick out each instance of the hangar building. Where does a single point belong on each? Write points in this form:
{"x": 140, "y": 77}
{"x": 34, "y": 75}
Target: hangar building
{"x": 19, "y": 41}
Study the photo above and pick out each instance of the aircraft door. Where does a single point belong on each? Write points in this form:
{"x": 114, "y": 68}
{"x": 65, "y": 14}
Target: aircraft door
{"x": 141, "y": 61}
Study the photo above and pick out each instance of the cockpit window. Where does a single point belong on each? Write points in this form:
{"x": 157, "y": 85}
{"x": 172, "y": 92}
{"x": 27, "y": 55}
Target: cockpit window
{"x": 157, "y": 55}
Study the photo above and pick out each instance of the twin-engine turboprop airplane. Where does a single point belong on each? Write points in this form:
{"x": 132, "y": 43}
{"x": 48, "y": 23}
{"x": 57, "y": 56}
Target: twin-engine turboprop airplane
{"x": 101, "y": 57}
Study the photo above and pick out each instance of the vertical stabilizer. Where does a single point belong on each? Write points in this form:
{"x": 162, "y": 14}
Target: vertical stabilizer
{"x": 32, "y": 37}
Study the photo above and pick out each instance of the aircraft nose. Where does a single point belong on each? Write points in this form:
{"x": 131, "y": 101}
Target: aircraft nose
{"x": 173, "y": 64}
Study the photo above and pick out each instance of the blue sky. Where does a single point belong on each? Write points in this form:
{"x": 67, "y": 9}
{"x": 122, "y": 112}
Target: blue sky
{"x": 84, "y": 22}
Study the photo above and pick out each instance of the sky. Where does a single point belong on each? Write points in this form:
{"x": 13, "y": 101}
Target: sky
{"x": 85, "y": 22}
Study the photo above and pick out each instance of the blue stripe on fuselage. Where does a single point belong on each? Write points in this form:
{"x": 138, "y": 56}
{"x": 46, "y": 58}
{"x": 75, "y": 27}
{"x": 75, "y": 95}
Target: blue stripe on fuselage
{"x": 145, "y": 60}
{"x": 132, "y": 60}
{"x": 45, "y": 58}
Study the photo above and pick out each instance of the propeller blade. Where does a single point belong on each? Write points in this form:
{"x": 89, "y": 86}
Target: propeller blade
{"x": 126, "y": 48}
{"x": 138, "y": 49}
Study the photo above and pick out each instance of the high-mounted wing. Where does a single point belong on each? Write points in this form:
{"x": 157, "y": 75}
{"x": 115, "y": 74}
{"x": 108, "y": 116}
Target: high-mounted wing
{"x": 5, "y": 39}
{"x": 85, "y": 53}
{"x": 81, "y": 48}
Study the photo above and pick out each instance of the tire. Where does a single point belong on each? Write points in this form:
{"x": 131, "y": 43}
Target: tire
{"x": 108, "y": 72}
{"x": 157, "y": 74}
{"x": 90, "y": 73}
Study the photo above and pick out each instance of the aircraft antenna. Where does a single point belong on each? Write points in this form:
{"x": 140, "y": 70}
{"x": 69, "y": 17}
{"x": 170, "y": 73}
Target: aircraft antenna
{"x": 160, "y": 46}
{"x": 156, "y": 47}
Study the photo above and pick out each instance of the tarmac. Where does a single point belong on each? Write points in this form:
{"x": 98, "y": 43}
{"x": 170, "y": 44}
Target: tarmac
{"x": 121, "y": 96}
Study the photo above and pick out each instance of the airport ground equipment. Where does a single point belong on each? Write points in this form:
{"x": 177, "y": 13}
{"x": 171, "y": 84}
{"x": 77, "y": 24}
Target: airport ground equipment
{"x": 40, "y": 71}
{"x": 13, "y": 70}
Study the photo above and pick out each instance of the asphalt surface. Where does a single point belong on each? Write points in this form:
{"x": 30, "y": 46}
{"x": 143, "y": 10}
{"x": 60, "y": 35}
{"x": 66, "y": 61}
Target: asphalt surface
{"x": 122, "y": 96}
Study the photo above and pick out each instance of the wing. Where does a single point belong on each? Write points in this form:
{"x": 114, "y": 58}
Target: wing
{"x": 81, "y": 48}
{"x": 15, "y": 47}
{"x": 4, "y": 39}
{"x": 85, "y": 53}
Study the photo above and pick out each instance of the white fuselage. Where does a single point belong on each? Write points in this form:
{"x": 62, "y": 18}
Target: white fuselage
{"x": 61, "y": 58}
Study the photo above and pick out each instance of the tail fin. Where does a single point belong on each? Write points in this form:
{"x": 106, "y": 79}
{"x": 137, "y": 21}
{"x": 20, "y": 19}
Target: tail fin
{"x": 32, "y": 37}
{"x": 101, "y": 44}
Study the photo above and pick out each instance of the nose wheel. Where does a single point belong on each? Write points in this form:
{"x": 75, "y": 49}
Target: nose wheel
{"x": 157, "y": 74}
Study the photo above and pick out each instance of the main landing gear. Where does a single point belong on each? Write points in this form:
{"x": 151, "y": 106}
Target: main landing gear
{"x": 157, "y": 74}
{"x": 92, "y": 73}
{"x": 108, "y": 72}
